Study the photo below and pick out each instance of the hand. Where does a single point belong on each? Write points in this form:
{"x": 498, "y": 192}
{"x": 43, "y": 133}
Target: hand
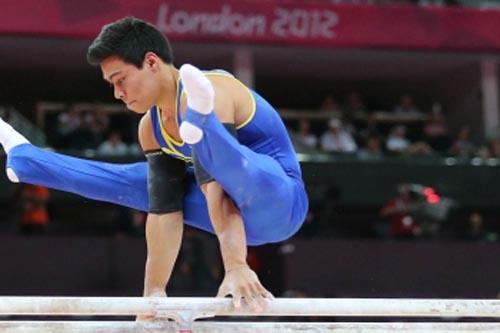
{"x": 243, "y": 284}
{"x": 155, "y": 293}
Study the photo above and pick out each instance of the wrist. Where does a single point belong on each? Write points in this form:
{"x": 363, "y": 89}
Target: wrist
{"x": 236, "y": 267}
{"x": 234, "y": 264}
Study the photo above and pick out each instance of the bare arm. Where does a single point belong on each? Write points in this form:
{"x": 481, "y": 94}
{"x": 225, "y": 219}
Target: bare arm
{"x": 225, "y": 218}
{"x": 163, "y": 239}
{"x": 163, "y": 232}
{"x": 239, "y": 281}
{"x": 228, "y": 226}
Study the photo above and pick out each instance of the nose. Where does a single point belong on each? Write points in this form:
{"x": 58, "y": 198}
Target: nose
{"x": 119, "y": 94}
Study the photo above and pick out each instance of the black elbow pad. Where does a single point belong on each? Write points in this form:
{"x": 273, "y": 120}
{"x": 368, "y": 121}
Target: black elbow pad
{"x": 166, "y": 182}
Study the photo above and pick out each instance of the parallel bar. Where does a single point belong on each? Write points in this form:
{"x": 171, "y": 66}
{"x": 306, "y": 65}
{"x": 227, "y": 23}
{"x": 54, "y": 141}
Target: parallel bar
{"x": 121, "y": 306}
{"x": 244, "y": 327}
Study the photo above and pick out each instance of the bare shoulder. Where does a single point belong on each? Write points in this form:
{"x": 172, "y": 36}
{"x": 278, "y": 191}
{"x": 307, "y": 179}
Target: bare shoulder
{"x": 146, "y": 136}
{"x": 226, "y": 86}
{"x": 233, "y": 103}
{"x": 224, "y": 106}
{"x": 232, "y": 96}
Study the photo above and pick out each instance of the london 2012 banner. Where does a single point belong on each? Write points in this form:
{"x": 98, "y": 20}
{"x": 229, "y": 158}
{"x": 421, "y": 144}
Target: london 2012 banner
{"x": 280, "y": 22}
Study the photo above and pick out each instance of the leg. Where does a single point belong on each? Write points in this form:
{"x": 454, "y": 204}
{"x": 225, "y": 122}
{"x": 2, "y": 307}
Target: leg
{"x": 252, "y": 180}
{"x": 123, "y": 184}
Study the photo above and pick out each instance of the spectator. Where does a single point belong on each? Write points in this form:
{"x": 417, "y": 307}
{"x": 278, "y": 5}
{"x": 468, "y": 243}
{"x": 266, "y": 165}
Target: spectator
{"x": 475, "y": 228}
{"x": 67, "y": 123}
{"x": 398, "y": 210}
{"x": 355, "y": 107}
{"x": 436, "y": 132}
{"x": 135, "y": 149}
{"x": 114, "y": 146}
{"x": 370, "y": 129}
{"x": 463, "y": 146}
{"x": 406, "y": 108}
{"x": 372, "y": 150}
{"x": 397, "y": 142}
{"x": 304, "y": 137}
{"x": 336, "y": 139}
{"x": 494, "y": 148}
{"x": 83, "y": 137}
{"x": 100, "y": 123}
{"x": 34, "y": 217}
{"x": 331, "y": 105}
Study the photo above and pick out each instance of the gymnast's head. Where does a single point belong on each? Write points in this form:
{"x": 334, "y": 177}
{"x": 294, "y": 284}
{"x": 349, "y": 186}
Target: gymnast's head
{"x": 136, "y": 59}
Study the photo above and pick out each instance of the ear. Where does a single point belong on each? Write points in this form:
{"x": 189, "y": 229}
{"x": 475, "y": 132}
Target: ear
{"x": 151, "y": 61}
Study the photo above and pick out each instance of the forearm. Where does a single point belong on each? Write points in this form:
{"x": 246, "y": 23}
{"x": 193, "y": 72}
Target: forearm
{"x": 240, "y": 282}
{"x": 228, "y": 226}
{"x": 232, "y": 241}
{"x": 163, "y": 239}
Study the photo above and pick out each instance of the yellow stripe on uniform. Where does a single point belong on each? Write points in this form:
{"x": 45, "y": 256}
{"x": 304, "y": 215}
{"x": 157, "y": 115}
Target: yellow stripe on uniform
{"x": 171, "y": 142}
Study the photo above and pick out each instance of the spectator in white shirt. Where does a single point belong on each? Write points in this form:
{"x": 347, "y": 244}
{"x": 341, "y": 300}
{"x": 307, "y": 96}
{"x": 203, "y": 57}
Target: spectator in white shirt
{"x": 114, "y": 146}
{"x": 397, "y": 142}
{"x": 304, "y": 135}
{"x": 337, "y": 139}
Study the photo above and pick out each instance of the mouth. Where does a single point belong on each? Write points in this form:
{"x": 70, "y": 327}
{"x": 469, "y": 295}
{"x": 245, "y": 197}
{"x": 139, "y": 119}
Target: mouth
{"x": 131, "y": 103}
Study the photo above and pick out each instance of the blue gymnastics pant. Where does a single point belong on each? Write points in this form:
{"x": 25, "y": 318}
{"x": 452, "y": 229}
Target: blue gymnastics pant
{"x": 270, "y": 202}
{"x": 121, "y": 184}
{"x": 126, "y": 185}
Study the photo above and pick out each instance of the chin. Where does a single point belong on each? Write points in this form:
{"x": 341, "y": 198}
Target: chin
{"x": 137, "y": 109}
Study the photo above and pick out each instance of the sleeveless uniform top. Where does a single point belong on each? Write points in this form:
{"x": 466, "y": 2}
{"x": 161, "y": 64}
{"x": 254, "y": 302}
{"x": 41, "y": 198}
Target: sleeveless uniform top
{"x": 263, "y": 132}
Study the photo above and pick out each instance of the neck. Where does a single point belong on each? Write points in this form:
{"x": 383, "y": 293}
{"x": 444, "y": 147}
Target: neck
{"x": 168, "y": 90}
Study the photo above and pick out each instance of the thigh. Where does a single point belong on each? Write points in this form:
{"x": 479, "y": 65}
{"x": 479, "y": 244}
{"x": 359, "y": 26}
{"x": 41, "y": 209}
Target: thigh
{"x": 267, "y": 207}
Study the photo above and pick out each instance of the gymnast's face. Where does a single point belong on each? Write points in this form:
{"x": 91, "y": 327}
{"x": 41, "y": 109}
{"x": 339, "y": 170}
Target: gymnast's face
{"x": 138, "y": 88}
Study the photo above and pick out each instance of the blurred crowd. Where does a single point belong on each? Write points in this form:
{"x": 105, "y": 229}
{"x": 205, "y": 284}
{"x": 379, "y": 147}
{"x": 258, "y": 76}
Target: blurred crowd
{"x": 352, "y": 129}
{"x": 94, "y": 131}
{"x": 338, "y": 127}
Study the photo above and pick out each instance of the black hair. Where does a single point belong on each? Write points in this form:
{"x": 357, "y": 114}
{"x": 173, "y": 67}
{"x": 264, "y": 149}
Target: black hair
{"x": 129, "y": 39}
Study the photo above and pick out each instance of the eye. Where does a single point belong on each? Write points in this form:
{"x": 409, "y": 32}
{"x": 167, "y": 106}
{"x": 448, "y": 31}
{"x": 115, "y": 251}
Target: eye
{"x": 120, "y": 81}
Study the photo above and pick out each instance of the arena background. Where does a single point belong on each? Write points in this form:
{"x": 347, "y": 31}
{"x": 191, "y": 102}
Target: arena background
{"x": 414, "y": 83}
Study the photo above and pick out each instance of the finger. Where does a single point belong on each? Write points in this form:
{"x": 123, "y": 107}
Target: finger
{"x": 244, "y": 290}
{"x": 262, "y": 303}
{"x": 255, "y": 288}
{"x": 252, "y": 298}
{"x": 260, "y": 290}
{"x": 258, "y": 297}
{"x": 268, "y": 295}
{"x": 257, "y": 304}
{"x": 237, "y": 300}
